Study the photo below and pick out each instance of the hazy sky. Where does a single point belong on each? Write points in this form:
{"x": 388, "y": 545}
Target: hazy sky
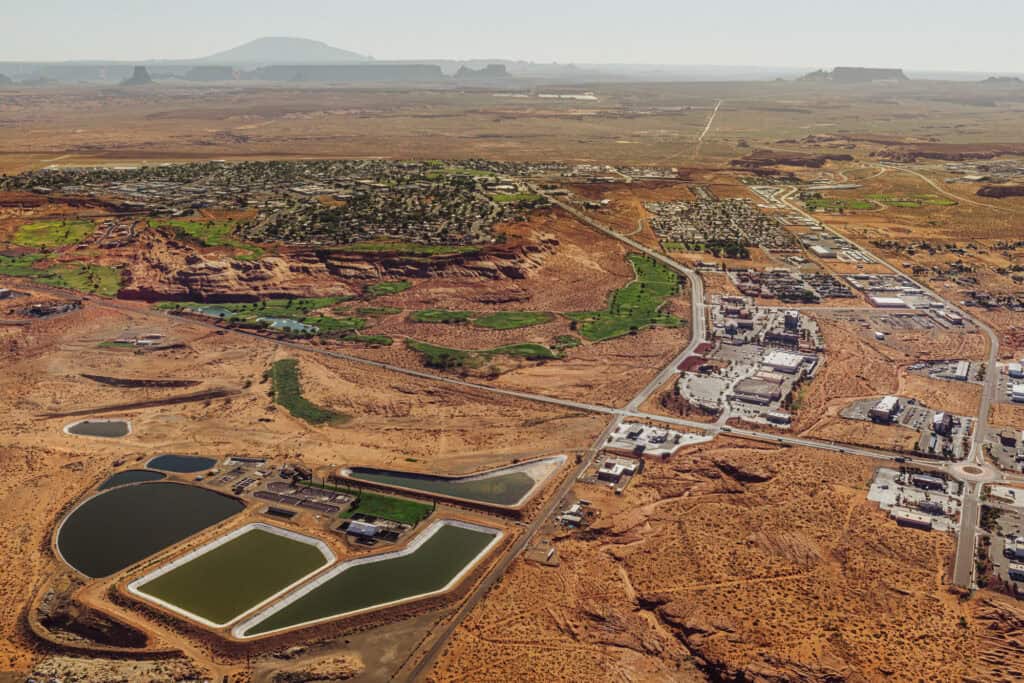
{"x": 979, "y": 35}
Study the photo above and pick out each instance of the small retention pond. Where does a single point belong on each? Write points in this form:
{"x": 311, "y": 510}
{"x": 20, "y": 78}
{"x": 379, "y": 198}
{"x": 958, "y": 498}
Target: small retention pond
{"x": 181, "y": 464}
{"x": 111, "y": 429}
{"x": 130, "y": 477}
{"x": 432, "y": 563}
{"x": 505, "y": 486}
{"x": 117, "y": 528}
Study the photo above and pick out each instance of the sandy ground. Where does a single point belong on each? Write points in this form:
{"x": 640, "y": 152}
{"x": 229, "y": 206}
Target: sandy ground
{"x": 745, "y": 559}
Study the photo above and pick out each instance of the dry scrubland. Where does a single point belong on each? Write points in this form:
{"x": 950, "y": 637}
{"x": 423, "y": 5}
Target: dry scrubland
{"x": 858, "y": 366}
{"x": 735, "y": 559}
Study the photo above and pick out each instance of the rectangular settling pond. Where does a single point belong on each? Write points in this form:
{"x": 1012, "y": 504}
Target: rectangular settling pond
{"x": 506, "y": 486}
{"x": 432, "y": 563}
{"x": 223, "y": 580}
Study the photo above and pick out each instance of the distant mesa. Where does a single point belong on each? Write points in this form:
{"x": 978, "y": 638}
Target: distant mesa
{"x": 491, "y": 72}
{"x": 4, "y": 80}
{"x": 856, "y": 74}
{"x": 1001, "y": 191}
{"x": 1003, "y": 80}
{"x": 265, "y": 51}
{"x": 349, "y": 73}
{"x": 140, "y": 76}
{"x": 211, "y": 73}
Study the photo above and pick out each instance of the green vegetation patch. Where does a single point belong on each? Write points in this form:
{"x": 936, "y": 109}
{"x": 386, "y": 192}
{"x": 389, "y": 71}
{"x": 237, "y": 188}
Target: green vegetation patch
{"x": 912, "y": 201}
{"x": 565, "y": 341}
{"x": 719, "y": 248}
{"x": 287, "y": 392}
{"x": 441, "y": 315}
{"x": 249, "y": 314}
{"x": 635, "y": 306}
{"x": 512, "y": 320}
{"x": 369, "y": 339}
{"x": 230, "y": 579}
{"x": 386, "y": 288}
{"x": 87, "y": 278}
{"x": 53, "y": 233}
{"x": 214, "y": 234}
{"x": 834, "y": 205}
{"x": 396, "y": 509}
{"x": 443, "y": 358}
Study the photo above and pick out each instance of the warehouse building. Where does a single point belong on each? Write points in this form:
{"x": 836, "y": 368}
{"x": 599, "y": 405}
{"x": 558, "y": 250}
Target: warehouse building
{"x": 887, "y": 301}
{"x": 911, "y": 518}
{"x": 783, "y": 362}
{"x": 928, "y": 482}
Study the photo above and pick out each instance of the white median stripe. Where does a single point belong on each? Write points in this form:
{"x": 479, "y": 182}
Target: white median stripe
{"x": 135, "y": 586}
{"x": 240, "y": 630}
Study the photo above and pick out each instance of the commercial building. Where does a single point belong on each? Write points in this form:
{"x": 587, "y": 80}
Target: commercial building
{"x": 783, "y": 362}
{"x": 822, "y": 251}
{"x": 614, "y": 469}
{"x": 1017, "y": 393}
{"x": 1016, "y": 370}
{"x": 758, "y": 391}
{"x": 887, "y": 301}
{"x": 911, "y": 518}
{"x": 928, "y": 482}
{"x": 963, "y": 369}
{"x": 1016, "y": 571}
{"x": 1014, "y": 548}
{"x": 885, "y": 410}
{"x": 942, "y": 423}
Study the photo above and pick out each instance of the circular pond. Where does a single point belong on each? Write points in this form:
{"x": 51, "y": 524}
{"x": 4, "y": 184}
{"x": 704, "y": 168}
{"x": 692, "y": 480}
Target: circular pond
{"x": 130, "y": 477}
{"x": 182, "y": 464}
{"x": 109, "y": 429}
{"x": 117, "y": 528}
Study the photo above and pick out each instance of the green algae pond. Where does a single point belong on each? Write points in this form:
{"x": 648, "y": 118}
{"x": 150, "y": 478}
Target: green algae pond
{"x": 226, "y": 578}
{"x": 432, "y": 563}
{"x": 130, "y": 477}
{"x": 506, "y": 486}
{"x": 120, "y": 526}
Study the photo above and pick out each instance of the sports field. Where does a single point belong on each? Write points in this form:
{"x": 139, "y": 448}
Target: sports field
{"x": 224, "y": 582}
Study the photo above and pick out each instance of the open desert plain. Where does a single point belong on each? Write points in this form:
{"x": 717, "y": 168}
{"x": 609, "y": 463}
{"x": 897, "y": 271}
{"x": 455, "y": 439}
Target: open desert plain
{"x": 371, "y": 379}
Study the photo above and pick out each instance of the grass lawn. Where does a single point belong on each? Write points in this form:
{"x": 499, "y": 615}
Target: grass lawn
{"x": 52, "y": 233}
{"x": 225, "y": 582}
{"x": 565, "y": 341}
{"x": 369, "y": 339}
{"x": 635, "y": 306}
{"x": 912, "y": 201}
{"x": 287, "y": 391}
{"x": 247, "y": 314}
{"x": 215, "y": 234}
{"x": 396, "y": 509}
{"x": 444, "y": 358}
{"x": 385, "y": 288}
{"x": 512, "y": 320}
{"x": 834, "y": 204}
{"x": 88, "y": 278}
{"x": 440, "y": 315}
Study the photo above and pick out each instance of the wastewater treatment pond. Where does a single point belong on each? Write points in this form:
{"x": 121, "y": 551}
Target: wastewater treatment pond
{"x": 130, "y": 477}
{"x": 505, "y": 486}
{"x": 110, "y": 429}
{"x": 431, "y": 563}
{"x": 181, "y": 464}
{"x": 205, "y": 584}
{"x": 120, "y": 526}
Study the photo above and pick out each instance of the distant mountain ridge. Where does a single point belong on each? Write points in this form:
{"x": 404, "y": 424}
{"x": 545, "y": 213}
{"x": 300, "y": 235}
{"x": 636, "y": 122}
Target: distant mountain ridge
{"x": 277, "y": 50}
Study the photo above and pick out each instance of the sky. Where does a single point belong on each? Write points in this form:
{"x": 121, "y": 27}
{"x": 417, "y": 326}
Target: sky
{"x": 981, "y": 35}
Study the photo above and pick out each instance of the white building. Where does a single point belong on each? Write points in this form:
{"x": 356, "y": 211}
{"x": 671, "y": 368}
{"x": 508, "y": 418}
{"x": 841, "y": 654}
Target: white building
{"x": 887, "y": 301}
{"x": 1017, "y": 393}
{"x": 885, "y": 409}
{"x": 822, "y": 251}
{"x": 783, "y": 362}
{"x": 1016, "y": 370}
